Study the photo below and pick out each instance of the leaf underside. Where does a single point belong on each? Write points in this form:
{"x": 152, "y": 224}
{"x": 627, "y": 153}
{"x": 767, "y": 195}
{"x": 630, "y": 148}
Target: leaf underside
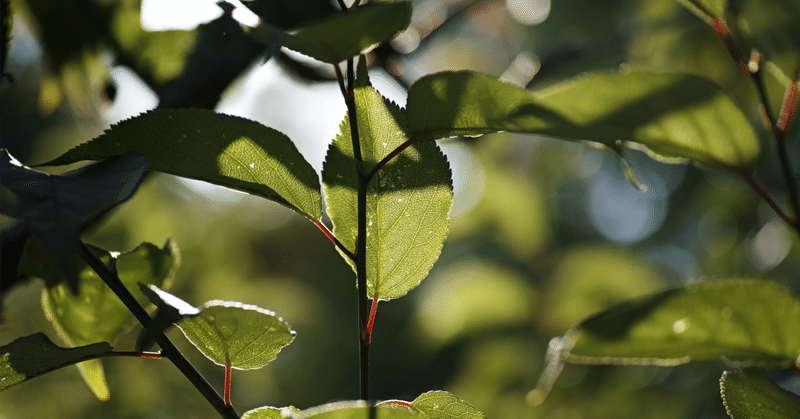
{"x": 749, "y": 393}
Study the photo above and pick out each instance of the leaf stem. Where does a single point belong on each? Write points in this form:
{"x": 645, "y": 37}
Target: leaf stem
{"x": 333, "y": 239}
{"x": 765, "y": 196}
{"x": 361, "y": 241}
{"x": 373, "y": 310}
{"x": 168, "y": 349}
{"x": 136, "y": 354}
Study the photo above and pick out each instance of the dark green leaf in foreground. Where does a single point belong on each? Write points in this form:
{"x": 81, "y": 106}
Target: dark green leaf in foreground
{"x": 338, "y": 37}
{"x": 225, "y": 150}
{"x": 743, "y": 321}
{"x": 357, "y": 410}
{"x": 268, "y": 412}
{"x": 444, "y": 405}
{"x": 57, "y": 207}
{"x": 673, "y": 116}
{"x": 247, "y": 336}
{"x": 408, "y": 200}
{"x": 749, "y": 393}
{"x": 33, "y": 355}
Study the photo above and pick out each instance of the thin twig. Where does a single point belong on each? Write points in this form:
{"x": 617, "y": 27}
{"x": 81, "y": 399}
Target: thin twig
{"x": 134, "y": 354}
{"x": 168, "y": 349}
{"x": 765, "y": 196}
{"x": 333, "y": 239}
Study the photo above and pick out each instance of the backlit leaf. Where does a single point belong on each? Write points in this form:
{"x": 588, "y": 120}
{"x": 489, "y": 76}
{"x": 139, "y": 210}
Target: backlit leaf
{"x": 225, "y": 150}
{"x": 408, "y": 201}
{"x": 749, "y": 393}
{"x": 57, "y": 207}
{"x": 342, "y": 35}
{"x": 247, "y": 336}
{"x": 268, "y": 412}
{"x": 444, "y": 405}
{"x": 675, "y": 117}
{"x": 357, "y": 410}
{"x": 743, "y": 321}
{"x": 36, "y": 354}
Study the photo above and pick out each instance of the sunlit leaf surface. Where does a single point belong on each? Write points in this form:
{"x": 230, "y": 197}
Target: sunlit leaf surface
{"x": 247, "y": 336}
{"x": 268, "y": 412}
{"x": 357, "y": 410}
{"x": 444, "y": 405}
{"x": 408, "y": 201}
{"x": 676, "y": 117}
{"x": 225, "y": 150}
{"x": 33, "y": 355}
{"x": 749, "y": 393}
{"x": 343, "y": 35}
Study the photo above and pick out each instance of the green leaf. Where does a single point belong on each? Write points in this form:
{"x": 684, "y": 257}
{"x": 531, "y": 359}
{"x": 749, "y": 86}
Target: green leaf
{"x": 36, "y": 354}
{"x": 749, "y": 393}
{"x": 408, "y": 200}
{"x": 57, "y": 207}
{"x": 743, "y": 321}
{"x": 247, "y": 336}
{"x": 268, "y": 412}
{"x": 171, "y": 309}
{"x": 357, "y": 410}
{"x": 225, "y": 150}
{"x": 96, "y": 314}
{"x": 674, "y": 117}
{"x": 444, "y": 405}
{"x": 338, "y": 37}
{"x": 94, "y": 376}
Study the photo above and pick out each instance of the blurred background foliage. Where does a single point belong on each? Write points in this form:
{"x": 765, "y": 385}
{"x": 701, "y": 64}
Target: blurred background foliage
{"x": 544, "y": 233}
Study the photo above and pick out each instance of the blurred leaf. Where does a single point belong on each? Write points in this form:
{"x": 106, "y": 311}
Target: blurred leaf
{"x": 706, "y": 8}
{"x": 675, "y": 117}
{"x": 5, "y": 27}
{"x": 743, "y": 321}
{"x": 340, "y": 36}
{"x": 267, "y": 412}
{"x": 94, "y": 376}
{"x": 247, "y": 336}
{"x": 357, "y": 410}
{"x": 773, "y": 27}
{"x": 443, "y": 405}
{"x": 57, "y": 207}
{"x": 749, "y": 393}
{"x": 36, "y": 354}
{"x": 225, "y": 150}
{"x": 408, "y": 200}
{"x": 470, "y": 298}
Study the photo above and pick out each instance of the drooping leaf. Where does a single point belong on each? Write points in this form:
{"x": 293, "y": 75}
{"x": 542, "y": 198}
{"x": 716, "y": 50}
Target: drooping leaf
{"x": 444, "y": 405}
{"x": 95, "y": 313}
{"x": 94, "y": 376}
{"x": 247, "y": 336}
{"x": 338, "y": 37}
{"x": 743, "y": 321}
{"x": 268, "y": 412}
{"x": 408, "y": 200}
{"x": 357, "y": 410}
{"x": 675, "y": 117}
{"x": 36, "y": 354}
{"x": 57, "y": 207}
{"x": 225, "y": 150}
{"x": 749, "y": 393}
